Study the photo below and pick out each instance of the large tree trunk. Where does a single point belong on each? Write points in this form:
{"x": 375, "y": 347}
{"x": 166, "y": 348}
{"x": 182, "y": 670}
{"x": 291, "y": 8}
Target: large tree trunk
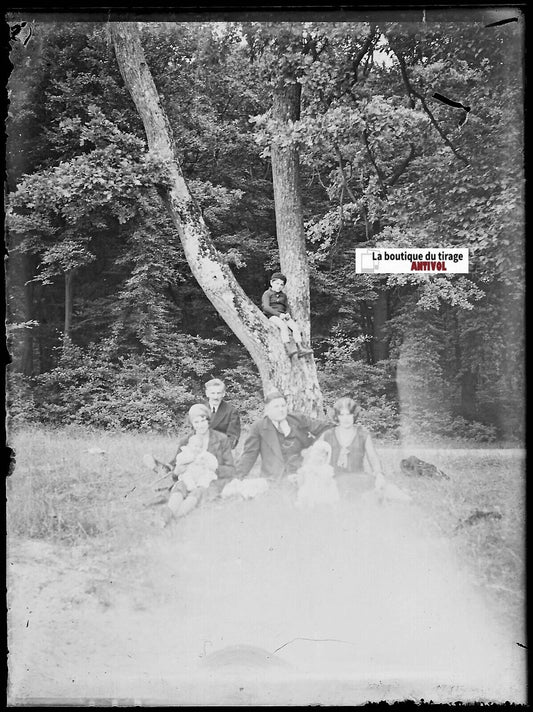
{"x": 291, "y": 234}
{"x": 215, "y": 278}
{"x": 288, "y": 206}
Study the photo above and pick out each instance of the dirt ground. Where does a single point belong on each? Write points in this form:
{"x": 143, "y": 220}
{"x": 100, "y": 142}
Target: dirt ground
{"x": 256, "y": 603}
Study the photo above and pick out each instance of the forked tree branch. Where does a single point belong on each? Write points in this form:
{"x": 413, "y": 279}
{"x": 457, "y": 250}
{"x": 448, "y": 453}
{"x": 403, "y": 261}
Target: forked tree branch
{"x": 414, "y": 94}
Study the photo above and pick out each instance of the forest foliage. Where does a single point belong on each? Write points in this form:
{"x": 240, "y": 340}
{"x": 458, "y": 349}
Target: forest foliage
{"x": 108, "y": 328}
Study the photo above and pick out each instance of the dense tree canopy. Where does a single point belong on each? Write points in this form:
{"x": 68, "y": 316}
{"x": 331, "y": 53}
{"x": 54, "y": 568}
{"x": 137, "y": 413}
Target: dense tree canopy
{"x": 108, "y": 325}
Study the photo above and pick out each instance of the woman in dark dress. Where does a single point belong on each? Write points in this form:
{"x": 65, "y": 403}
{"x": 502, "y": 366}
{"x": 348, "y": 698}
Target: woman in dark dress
{"x": 213, "y": 442}
{"x": 350, "y": 444}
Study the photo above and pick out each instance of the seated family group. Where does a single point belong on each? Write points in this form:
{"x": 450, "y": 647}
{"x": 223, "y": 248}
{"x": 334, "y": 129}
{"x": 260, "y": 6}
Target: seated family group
{"x": 321, "y": 457}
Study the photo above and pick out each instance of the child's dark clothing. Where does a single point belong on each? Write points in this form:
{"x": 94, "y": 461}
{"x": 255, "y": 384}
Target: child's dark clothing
{"x": 274, "y": 303}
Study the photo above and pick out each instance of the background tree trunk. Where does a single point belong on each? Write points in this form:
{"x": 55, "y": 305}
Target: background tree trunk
{"x": 469, "y": 381}
{"x": 26, "y": 357}
{"x": 215, "y": 278}
{"x": 380, "y": 315}
{"x": 69, "y": 292}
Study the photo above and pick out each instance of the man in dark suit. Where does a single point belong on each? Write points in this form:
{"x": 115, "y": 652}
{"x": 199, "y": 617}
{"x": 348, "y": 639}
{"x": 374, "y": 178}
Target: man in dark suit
{"x": 279, "y": 437}
{"x": 224, "y": 417}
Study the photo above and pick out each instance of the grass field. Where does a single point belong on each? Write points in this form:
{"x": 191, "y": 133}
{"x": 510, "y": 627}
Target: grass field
{"x": 86, "y": 557}
{"x": 491, "y": 549}
{"x": 74, "y": 487}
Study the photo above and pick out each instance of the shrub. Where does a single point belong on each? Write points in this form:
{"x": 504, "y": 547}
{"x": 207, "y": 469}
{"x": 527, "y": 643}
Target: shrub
{"x": 372, "y": 386}
{"x": 245, "y": 390}
{"x": 418, "y": 421}
{"x": 88, "y": 388}
{"x": 381, "y": 418}
{"x": 471, "y": 430}
{"x": 21, "y": 406}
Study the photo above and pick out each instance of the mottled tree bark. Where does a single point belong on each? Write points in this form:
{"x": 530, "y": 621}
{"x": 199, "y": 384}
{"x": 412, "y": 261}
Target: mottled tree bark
{"x": 291, "y": 234}
{"x": 244, "y": 318}
{"x": 288, "y": 205}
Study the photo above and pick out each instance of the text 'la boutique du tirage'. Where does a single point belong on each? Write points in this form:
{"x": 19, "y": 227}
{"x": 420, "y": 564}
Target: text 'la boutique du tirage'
{"x": 436, "y": 260}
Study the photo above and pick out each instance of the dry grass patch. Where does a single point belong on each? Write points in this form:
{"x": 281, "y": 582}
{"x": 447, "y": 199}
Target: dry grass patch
{"x": 71, "y": 486}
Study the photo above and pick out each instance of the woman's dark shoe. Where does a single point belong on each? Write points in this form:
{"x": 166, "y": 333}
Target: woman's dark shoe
{"x": 156, "y": 465}
{"x": 157, "y": 499}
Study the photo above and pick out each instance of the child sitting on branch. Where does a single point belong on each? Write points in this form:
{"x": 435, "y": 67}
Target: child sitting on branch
{"x": 274, "y": 305}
